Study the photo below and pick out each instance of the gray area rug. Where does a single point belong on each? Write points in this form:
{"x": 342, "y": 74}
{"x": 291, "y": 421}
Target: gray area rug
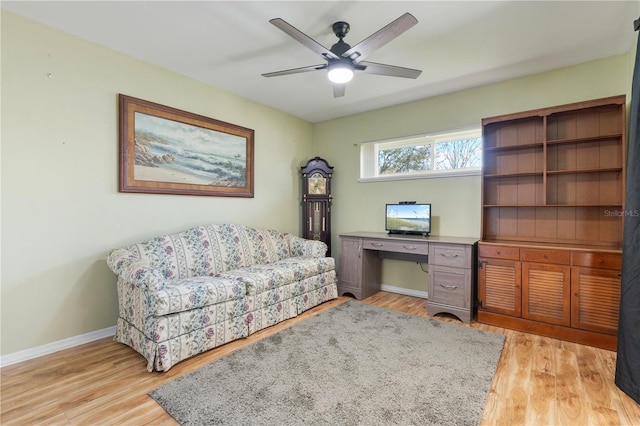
{"x": 355, "y": 364}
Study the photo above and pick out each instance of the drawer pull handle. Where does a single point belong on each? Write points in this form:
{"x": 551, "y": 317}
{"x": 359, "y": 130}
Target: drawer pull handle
{"x": 449, "y": 255}
{"x": 410, "y": 247}
{"x": 449, "y": 287}
{"x": 377, "y": 244}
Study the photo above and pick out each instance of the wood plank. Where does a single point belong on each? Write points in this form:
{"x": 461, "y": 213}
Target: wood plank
{"x": 569, "y": 391}
{"x": 542, "y": 405}
{"x": 106, "y": 383}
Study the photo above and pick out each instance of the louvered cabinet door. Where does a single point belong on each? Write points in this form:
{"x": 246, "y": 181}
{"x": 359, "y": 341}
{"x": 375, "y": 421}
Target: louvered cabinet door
{"x": 595, "y": 299}
{"x": 499, "y": 287}
{"x": 546, "y": 293}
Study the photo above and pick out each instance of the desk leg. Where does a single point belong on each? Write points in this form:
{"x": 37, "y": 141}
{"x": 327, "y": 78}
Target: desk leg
{"x": 371, "y": 273}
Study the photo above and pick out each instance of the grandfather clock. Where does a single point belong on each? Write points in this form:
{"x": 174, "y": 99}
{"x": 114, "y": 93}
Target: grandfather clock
{"x": 316, "y": 201}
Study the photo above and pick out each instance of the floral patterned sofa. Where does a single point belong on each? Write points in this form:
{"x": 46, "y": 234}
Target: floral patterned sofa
{"x": 182, "y": 294}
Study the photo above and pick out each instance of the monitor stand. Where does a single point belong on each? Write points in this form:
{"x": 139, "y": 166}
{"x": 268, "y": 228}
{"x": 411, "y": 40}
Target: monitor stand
{"x": 409, "y": 233}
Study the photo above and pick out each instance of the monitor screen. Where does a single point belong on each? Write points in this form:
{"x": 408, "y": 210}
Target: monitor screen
{"x": 408, "y": 219}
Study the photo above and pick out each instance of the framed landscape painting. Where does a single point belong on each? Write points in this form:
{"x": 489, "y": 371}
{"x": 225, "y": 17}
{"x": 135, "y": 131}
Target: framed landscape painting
{"x": 164, "y": 150}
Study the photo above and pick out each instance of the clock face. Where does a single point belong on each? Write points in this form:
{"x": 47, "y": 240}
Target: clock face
{"x": 317, "y": 184}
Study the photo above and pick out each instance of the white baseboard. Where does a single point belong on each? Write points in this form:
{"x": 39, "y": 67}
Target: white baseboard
{"x": 52, "y": 347}
{"x": 405, "y": 291}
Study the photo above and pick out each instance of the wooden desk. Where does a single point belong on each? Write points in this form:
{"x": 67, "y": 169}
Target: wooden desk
{"x": 451, "y": 263}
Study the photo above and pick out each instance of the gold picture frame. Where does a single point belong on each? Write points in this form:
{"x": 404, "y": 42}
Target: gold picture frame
{"x": 165, "y": 150}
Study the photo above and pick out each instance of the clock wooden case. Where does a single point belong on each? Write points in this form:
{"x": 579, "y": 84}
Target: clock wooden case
{"x": 316, "y": 201}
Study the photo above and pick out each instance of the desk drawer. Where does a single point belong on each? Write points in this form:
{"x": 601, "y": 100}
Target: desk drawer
{"x": 450, "y": 255}
{"x": 396, "y": 246}
{"x": 449, "y": 286}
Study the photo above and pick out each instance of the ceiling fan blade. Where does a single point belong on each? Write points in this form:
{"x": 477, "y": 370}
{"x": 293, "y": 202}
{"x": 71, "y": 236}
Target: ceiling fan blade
{"x": 295, "y": 70}
{"x": 338, "y": 90}
{"x": 380, "y": 38}
{"x": 303, "y": 38}
{"x": 390, "y": 70}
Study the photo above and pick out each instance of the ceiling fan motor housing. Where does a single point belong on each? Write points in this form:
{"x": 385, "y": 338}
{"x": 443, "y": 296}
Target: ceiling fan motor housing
{"x": 340, "y": 29}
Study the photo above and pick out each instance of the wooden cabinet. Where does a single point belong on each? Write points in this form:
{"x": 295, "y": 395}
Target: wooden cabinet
{"x": 552, "y": 193}
{"x": 556, "y": 174}
{"x": 567, "y": 293}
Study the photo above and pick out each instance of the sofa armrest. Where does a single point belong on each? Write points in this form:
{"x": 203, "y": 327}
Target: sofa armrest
{"x": 306, "y": 248}
{"x": 134, "y": 271}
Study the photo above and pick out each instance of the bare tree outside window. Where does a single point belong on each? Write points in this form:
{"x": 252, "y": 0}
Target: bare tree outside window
{"x": 458, "y": 154}
{"x": 406, "y": 159}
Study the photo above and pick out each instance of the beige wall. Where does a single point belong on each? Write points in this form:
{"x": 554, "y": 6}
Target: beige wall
{"x": 61, "y": 209}
{"x": 455, "y": 201}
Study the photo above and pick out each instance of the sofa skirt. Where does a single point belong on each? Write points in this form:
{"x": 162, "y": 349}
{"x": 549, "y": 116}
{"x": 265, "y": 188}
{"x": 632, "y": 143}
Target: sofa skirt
{"x": 161, "y": 356}
{"x": 274, "y": 306}
{"x": 180, "y": 336}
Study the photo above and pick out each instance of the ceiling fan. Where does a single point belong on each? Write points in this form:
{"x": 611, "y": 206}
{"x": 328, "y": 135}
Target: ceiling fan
{"x": 342, "y": 59}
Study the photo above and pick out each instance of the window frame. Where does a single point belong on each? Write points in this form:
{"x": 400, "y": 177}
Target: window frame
{"x": 369, "y": 155}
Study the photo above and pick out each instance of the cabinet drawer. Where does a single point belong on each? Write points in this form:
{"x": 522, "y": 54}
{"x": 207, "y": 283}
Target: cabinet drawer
{"x": 499, "y": 252}
{"x": 546, "y": 256}
{"x": 448, "y": 255}
{"x": 449, "y": 286}
{"x": 396, "y": 246}
{"x": 598, "y": 260}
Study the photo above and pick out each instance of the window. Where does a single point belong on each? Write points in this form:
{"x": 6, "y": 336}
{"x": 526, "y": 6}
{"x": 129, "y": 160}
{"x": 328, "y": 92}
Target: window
{"x": 443, "y": 154}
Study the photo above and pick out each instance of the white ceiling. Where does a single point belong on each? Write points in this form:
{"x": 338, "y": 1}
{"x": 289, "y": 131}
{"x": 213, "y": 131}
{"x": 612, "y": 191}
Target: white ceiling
{"x": 456, "y": 44}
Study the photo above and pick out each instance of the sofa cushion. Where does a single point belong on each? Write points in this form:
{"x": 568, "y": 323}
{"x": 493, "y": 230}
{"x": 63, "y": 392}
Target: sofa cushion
{"x": 238, "y": 246}
{"x": 195, "y": 292}
{"x": 259, "y": 278}
{"x": 210, "y": 249}
{"x": 300, "y": 268}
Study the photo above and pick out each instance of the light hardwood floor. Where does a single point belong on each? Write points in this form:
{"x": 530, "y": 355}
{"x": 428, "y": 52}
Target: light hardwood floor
{"x": 540, "y": 381}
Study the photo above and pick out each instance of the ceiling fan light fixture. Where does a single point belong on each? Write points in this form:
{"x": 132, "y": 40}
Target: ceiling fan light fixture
{"x": 340, "y": 72}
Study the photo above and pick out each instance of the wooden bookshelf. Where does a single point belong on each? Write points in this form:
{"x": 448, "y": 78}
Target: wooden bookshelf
{"x": 553, "y": 178}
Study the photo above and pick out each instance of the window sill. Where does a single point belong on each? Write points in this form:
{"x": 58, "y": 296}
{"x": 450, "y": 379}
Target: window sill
{"x": 429, "y": 175}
